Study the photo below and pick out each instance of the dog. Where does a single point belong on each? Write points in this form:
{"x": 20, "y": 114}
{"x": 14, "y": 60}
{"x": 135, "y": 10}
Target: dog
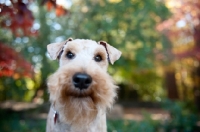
{"x": 81, "y": 90}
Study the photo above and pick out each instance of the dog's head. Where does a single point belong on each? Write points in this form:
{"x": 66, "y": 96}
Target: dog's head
{"x": 70, "y": 47}
{"x": 81, "y": 85}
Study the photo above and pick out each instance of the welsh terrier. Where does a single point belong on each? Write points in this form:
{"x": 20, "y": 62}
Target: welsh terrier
{"x": 81, "y": 89}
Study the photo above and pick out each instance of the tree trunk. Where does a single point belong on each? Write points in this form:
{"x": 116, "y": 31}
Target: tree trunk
{"x": 170, "y": 82}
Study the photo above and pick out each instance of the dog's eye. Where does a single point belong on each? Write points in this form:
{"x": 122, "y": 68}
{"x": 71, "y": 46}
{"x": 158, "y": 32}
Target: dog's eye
{"x": 98, "y": 58}
{"x": 70, "y": 55}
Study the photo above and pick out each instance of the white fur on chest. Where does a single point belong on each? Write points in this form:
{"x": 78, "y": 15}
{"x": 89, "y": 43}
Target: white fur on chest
{"x": 97, "y": 125}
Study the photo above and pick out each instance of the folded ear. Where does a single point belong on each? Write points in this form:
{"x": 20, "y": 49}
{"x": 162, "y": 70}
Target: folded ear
{"x": 113, "y": 53}
{"x": 54, "y": 49}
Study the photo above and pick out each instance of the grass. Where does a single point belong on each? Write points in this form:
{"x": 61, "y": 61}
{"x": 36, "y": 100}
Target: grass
{"x": 181, "y": 121}
{"x": 130, "y": 126}
{"x": 35, "y": 125}
{"x": 16, "y": 122}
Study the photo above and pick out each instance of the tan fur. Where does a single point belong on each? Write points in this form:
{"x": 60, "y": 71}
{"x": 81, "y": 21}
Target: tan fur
{"x": 81, "y": 111}
{"x": 113, "y": 53}
{"x": 55, "y": 48}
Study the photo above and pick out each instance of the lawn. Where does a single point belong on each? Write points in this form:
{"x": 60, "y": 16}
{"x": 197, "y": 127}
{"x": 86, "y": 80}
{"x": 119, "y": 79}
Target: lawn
{"x": 15, "y": 123}
{"x": 181, "y": 120}
{"x": 11, "y": 121}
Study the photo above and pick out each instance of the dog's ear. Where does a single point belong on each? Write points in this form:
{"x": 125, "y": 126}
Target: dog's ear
{"x": 113, "y": 53}
{"x": 54, "y": 49}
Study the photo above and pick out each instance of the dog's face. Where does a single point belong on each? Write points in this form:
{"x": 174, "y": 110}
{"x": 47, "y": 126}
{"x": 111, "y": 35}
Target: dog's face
{"x": 84, "y": 54}
{"x": 81, "y": 85}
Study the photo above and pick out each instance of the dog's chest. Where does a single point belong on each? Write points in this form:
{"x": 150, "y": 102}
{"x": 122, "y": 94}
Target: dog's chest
{"x": 98, "y": 125}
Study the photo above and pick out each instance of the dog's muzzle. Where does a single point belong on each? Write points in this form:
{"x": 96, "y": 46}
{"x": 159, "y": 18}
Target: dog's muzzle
{"x": 82, "y": 80}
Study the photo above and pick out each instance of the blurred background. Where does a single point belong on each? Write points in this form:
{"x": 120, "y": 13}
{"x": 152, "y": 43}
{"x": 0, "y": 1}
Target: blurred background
{"x": 158, "y": 73}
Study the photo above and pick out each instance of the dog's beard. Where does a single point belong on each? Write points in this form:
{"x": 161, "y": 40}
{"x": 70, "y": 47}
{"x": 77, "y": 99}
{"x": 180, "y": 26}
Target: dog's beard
{"x": 77, "y": 111}
{"x": 74, "y": 107}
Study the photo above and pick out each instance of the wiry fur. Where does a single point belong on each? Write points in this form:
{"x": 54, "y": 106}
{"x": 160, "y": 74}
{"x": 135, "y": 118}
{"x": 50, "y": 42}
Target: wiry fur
{"x": 81, "y": 110}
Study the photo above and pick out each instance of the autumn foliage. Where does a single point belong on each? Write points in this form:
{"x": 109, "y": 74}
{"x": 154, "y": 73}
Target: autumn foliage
{"x": 184, "y": 27}
{"x": 12, "y": 64}
{"x": 18, "y": 18}
{"x": 51, "y": 4}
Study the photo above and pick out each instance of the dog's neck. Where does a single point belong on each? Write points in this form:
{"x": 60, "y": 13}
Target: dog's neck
{"x": 94, "y": 126}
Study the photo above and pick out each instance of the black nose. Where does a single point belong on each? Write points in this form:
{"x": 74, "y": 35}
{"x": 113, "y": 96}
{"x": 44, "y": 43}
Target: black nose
{"x": 82, "y": 80}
